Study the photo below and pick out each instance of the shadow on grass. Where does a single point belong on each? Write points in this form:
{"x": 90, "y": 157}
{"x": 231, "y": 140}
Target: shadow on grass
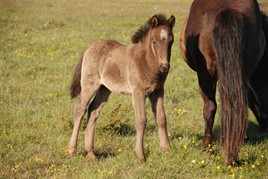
{"x": 254, "y": 134}
{"x": 101, "y": 154}
{"x": 129, "y": 130}
{"x": 104, "y": 154}
{"x": 125, "y": 130}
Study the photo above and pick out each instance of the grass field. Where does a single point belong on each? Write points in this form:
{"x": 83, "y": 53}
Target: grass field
{"x": 40, "y": 43}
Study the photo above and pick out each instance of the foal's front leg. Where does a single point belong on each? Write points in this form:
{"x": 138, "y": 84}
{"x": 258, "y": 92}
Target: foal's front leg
{"x": 157, "y": 104}
{"x": 138, "y": 99}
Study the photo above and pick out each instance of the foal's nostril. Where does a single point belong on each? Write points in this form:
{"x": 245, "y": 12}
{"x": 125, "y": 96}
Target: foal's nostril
{"x": 165, "y": 67}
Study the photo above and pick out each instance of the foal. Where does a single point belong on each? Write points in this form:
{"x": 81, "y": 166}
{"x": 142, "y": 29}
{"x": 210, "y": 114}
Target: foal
{"x": 139, "y": 69}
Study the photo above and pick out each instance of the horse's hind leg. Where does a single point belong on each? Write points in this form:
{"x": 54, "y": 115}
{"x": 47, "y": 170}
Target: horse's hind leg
{"x": 207, "y": 86}
{"x": 93, "y": 113}
{"x": 88, "y": 90}
{"x": 260, "y": 106}
{"x": 160, "y": 116}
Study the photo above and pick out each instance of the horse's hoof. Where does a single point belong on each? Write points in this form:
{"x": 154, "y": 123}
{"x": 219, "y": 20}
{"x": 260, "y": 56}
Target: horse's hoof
{"x": 234, "y": 163}
{"x": 246, "y": 139}
{"x": 263, "y": 127}
{"x": 206, "y": 147}
{"x": 207, "y": 143}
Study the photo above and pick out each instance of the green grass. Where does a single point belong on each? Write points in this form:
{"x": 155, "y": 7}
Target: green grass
{"x": 40, "y": 43}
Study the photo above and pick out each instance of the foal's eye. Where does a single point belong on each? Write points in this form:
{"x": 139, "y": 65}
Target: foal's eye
{"x": 154, "y": 42}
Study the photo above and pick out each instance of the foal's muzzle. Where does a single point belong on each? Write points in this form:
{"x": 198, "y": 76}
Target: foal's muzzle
{"x": 164, "y": 67}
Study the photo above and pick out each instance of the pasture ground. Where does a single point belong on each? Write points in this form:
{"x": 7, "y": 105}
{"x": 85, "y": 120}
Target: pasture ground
{"x": 40, "y": 43}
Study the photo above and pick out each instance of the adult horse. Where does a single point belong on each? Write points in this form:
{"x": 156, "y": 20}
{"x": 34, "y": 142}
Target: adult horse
{"x": 139, "y": 69}
{"x": 223, "y": 40}
{"x": 258, "y": 98}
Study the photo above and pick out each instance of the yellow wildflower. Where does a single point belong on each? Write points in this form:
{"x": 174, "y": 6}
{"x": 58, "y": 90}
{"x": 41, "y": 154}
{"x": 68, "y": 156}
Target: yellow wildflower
{"x": 185, "y": 147}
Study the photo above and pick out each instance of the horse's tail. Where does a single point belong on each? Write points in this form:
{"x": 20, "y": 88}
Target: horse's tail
{"x": 75, "y": 87}
{"x": 228, "y": 41}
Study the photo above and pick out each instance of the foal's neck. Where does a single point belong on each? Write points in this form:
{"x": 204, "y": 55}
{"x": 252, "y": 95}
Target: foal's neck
{"x": 148, "y": 57}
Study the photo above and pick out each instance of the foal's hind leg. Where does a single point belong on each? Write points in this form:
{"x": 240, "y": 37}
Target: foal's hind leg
{"x": 93, "y": 113}
{"x": 160, "y": 116}
{"x": 87, "y": 92}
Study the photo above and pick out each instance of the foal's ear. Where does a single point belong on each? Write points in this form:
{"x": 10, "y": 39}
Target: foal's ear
{"x": 154, "y": 21}
{"x": 171, "y": 20}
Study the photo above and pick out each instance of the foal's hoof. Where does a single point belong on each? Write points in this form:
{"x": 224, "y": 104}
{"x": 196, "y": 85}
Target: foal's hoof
{"x": 72, "y": 152}
{"x": 140, "y": 157}
{"x": 91, "y": 156}
{"x": 141, "y": 160}
{"x": 165, "y": 149}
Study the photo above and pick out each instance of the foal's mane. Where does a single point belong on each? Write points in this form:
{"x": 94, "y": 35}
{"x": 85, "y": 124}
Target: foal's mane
{"x": 143, "y": 30}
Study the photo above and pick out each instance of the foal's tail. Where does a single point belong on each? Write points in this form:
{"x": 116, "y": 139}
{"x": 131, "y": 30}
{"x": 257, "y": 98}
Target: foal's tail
{"x": 228, "y": 41}
{"x": 75, "y": 87}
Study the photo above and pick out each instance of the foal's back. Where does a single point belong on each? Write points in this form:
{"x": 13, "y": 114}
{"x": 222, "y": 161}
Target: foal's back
{"x": 107, "y": 61}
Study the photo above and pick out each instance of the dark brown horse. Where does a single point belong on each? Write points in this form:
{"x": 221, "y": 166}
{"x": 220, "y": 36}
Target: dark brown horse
{"x": 139, "y": 69}
{"x": 224, "y": 41}
{"x": 258, "y": 98}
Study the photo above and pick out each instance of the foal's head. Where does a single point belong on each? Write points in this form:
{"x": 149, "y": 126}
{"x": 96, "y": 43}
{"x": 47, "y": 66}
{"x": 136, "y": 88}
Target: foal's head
{"x": 157, "y": 33}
